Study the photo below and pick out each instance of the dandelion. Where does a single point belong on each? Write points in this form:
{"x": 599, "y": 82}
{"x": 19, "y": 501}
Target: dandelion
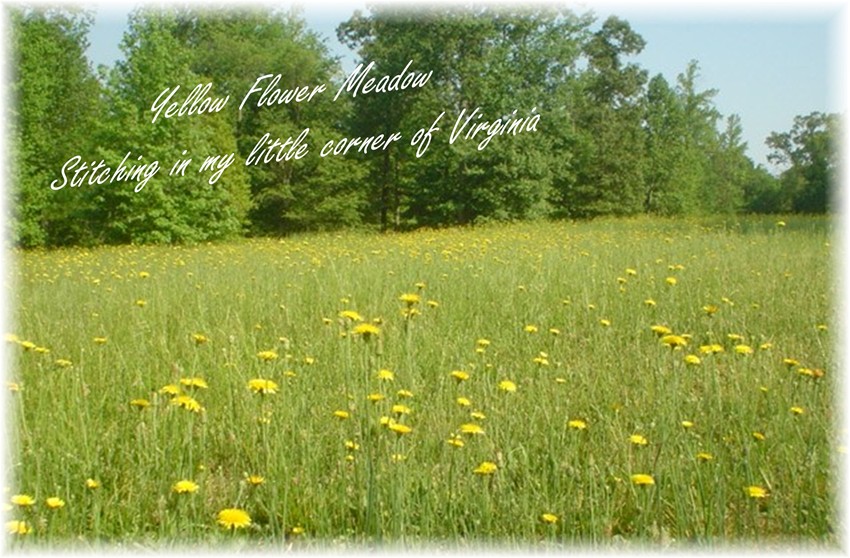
{"x": 399, "y": 429}
{"x": 687, "y": 424}
{"x": 234, "y": 518}
{"x": 756, "y": 492}
{"x": 184, "y": 487}
{"x": 17, "y": 527}
{"x": 743, "y": 349}
{"x": 194, "y": 383}
{"x": 780, "y": 224}
{"x": 99, "y": 340}
{"x": 507, "y": 385}
{"x": 366, "y": 331}
{"x": 485, "y": 468}
{"x": 351, "y": 445}
{"x": 432, "y": 304}
{"x": 797, "y": 410}
{"x": 822, "y": 327}
{"x": 758, "y": 436}
{"x": 455, "y": 441}
{"x": 710, "y": 309}
{"x": 459, "y": 375}
{"x": 351, "y": 316}
{"x": 199, "y": 338}
{"x": 140, "y": 403}
{"x": 170, "y": 389}
{"x": 23, "y": 500}
{"x": 471, "y": 428}
{"x": 711, "y": 349}
{"x": 141, "y": 303}
{"x": 554, "y": 331}
{"x": 308, "y": 360}
{"x": 29, "y": 345}
{"x": 420, "y": 285}
{"x": 188, "y": 403}
{"x": 54, "y": 503}
{"x": 398, "y": 457}
{"x": 63, "y": 363}
{"x": 385, "y": 375}
{"x": 13, "y": 386}
{"x": 144, "y": 274}
{"x": 540, "y": 361}
{"x": 409, "y": 299}
{"x": 577, "y": 424}
{"x": 267, "y": 356}
{"x": 790, "y": 362}
{"x": 255, "y": 480}
{"x": 92, "y": 484}
{"x": 765, "y": 346}
{"x": 642, "y": 479}
{"x": 463, "y": 402}
{"x": 674, "y": 341}
{"x": 661, "y": 330}
{"x": 734, "y": 337}
{"x": 405, "y": 393}
{"x": 605, "y": 323}
{"x": 483, "y": 343}
{"x": 671, "y": 281}
{"x": 704, "y": 456}
{"x": 375, "y": 397}
{"x": 638, "y": 440}
{"x": 530, "y": 328}
{"x": 477, "y": 415}
{"x": 297, "y": 530}
{"x": 692, "y": 360}
{"x": 401, "y": 410}
{"x": 630, "y": 271}
{"x": 341, "y": 415}
{"x": 549, "y": 518}
{"x": 262, "y": 386}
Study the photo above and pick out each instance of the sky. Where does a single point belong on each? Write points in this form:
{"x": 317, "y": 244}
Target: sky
{"x": 768, "y": 61}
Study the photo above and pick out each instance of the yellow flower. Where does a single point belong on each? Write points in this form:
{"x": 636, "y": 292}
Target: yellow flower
{"x": 483, "y": 343}
{"x": 455, "y": 441}
{"x": 790, "y": 362}
{"x": 554, "y": 331}
{"x": 711, "y": 349}
{"x": 267, "y": 355}
{"x": 638, "y": 440}
{"x": 765, "y": 346}
{"x": 406, "y": 393}
{"x": 54, "y": 503}
{"x": 297, "y": 530}
{"x": 463, "y": 402}
{"x": 234, "y": 518}
{"x": 16, "y": 527}
{"x": 692, "y": 360}
{"x": 734, "y": 337}
{"x": 144, "y": 274}
{"x": 141, "y": 303}
{"x": 432, "y": 303}
{"x": 92, "y": 484}
{"x": 13, "y": 386}
{"x": 399, "y": 429}
{"x": 671, "y": 281}
{"x": 23, "y": 500}
{"x": 460, "y": 375}
{"x": 255, "y": 480}
{"x": 507, "y": 385}
{"x": 743, "y": 349}
{"x": 420, "y": 285}
{"x": 642, "y": 479}
{"x": 477, "y": 415}
{"x": 549, "y": 518}
{"x": 375, "y": 397}
{"x": 63, "y": 363}
{"x": 756, "y": 492}
{"x": 351, "y": 315}
{"x": 577, "y": 424}
{"x": 262, "y": 386}
{"x": 352, "y": 445}
{"x": 188, "y": 403}
{"x": 780, "y": 224}
{"x": 798, "y": 410}
{"x": 471, "y": 428}
{"x": 759, "y": 436}
{"x": 140, "y": 403}
{"x": 401, "y": 410}
{"x": 385, "y": 375}
{"x": 170, "y": 389}
{"x": 485, "y": 468}
{"x": 366, "y": 330}
{"x": 649, "y": 302}
{"x": 409, "y": 298}
{"x": 199, "y": 338}
{"x": 184, "y": 487}
{"x": 710, "y": 309}
{"x": 687, "y": 424}
{"x": 674, "y": 341}
{"x": 661, "y": 330}
{"x": 194, "y": 383}
{"x": 704, "y": 456}
{"x": 630, "y": 271}
{"x": 99, "y": 340}
{"x": 342, "y": 415}
{"x": 530, "y": 328}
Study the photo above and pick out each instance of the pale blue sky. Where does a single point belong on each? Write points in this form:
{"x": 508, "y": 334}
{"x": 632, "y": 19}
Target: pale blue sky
{"x": 768, "y": 66}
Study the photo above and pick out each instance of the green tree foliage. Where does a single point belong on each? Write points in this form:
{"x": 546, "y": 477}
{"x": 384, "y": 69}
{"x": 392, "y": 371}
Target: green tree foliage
{"x": 55, "y": 105}
{"x": 809, "y": 153}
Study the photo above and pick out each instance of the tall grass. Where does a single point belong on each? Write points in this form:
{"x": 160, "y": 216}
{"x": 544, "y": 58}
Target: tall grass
{"x": 591, "y": 291}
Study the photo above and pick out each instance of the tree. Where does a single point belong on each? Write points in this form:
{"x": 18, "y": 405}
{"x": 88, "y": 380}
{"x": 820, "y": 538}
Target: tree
{"x": 55, "y": 109}
{"x": 808, "y": 151}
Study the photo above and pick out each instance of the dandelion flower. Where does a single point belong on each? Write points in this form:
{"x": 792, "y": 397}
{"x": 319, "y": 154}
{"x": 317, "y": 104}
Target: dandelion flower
{"x": 630, "y": 271}
{"x": 184, "y": 487}
{"x": 234, "y": 518}
{"x": 140, "y": 403}
{"x": 194, "y": 383}
{"x": 671, "y": 281}
{"x": 17, "y": 527}
{"x": 577, "y": 424}
{"x": 642, "y": 479}
{"x": 188, "y": 403}
{"x": 780, "y": 224}
{"x": 385, "y": 375}
{"x": 704, "y": 456}
{"x": 483, "y": 343}
{"x": 375, "y": 397}
{"x": 797, "y": 410}
{"x": 756, "y": 492}
{"x": 409, "y": 298}
{"x": 13, "y": 386}
{"x": 759, "y": 436}
{"x": 366, "y": 331}
{"x": 255, "y": 480}
{"x": 460, "y": 375}
{"x": 170, "y": 389}
{"x": 92, "y": 484}
{"x": 649, "y": 302}
{"x": 743, "y": 349}
{"x": 341, "y": 415}
{"x": 638, "y": 440}
{"x": 463, "y": 402}
{"x": 23, "y": 500}
{"x": 351, "y": 316}
{"x": 605, "y": 323}
{"x": 734, "y": 337}
{"x": 530, "y": 328}
{"x": 352, "y": 445}
{"x": 99, "y": 340}
{"x": 262, "y": 386}
{"x": 711, "y": 349}
{"x": 507, "y": 385}
{"x": 765, "y": 346}
{"x": 63, "y": 363}
{"x": 54, "y": 503}
{"x": 471, "y": 428}
{"x": 674, "y": 341}
{"x": 141, "y": 303}
{"x": 401, "y": 410}
{"x": 405, "y": 393}
{"x": 432, "y": 303}
{"x": 549, "y": 518}
{"x": 693, "y": 360}
{"x": 455, "y": 441}
{"x": 477, "y": 415}
{"x": 399, "y": 429}
{"x": 199, "y": 338}
{"x": 485, "y": 468}
{"x": 554, "y": 331}
{"x": 710, "y": 309}
{"x": 267, "y": 355}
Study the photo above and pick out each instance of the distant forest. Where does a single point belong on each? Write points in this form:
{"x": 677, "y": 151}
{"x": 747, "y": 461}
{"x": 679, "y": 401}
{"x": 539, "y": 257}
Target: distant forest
{"x": 592, "y": 134}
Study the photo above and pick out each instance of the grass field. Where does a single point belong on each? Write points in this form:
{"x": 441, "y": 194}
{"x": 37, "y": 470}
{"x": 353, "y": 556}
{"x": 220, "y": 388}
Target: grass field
{"x": 500, "y": 385}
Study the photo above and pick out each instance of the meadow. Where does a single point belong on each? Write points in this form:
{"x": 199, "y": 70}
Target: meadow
{"x": 614, "y": 382}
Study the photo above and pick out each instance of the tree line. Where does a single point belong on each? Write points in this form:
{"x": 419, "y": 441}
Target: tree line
{"x": 609, "y": 139}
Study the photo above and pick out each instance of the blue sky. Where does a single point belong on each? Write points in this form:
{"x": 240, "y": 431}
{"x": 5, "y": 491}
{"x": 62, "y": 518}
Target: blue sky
{"x": 768, "y": 62}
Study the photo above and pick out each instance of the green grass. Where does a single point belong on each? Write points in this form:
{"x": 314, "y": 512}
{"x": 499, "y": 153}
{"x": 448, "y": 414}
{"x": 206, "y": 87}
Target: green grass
{"x": 771, "y": 285}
